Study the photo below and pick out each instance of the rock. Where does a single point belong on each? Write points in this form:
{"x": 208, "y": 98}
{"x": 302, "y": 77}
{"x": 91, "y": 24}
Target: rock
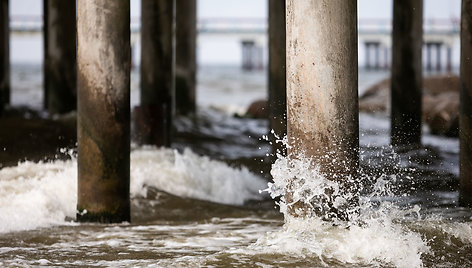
{"x": 258, "y": 109}
{"x": 441, "y": 113}
{"x": 440, "y": 102}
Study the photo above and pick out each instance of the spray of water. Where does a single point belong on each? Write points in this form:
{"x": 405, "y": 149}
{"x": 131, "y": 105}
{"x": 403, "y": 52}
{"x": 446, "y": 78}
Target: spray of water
{"x": 375, "y": 233}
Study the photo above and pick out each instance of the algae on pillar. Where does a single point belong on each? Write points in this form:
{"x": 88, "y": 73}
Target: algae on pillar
{"x": 60, "y": 56}
{"x": 103, "y": 72}
{"x": 277, "y": 86}
{"x": 322, "y": 100}
{"x": 465, "y": 117}
{"x": 4, "y": 55}
{"x": 153, "y": 118}
{"x": 185, "y": 58}
{"x": 406, "y": 79}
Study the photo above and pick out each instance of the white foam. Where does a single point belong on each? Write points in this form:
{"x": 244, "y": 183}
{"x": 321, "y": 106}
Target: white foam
{"x": 37, "y": 194}
{"x": 376, "y": 235}
{"x": 190, "y": 175}
{"x": 41, "y": 194}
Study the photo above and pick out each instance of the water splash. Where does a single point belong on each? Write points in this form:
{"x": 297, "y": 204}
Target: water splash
{"x": 376, "y": 233}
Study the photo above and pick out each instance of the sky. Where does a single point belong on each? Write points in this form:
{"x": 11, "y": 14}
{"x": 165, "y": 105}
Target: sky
{"x": 258, "y": 8}
{"x": 221, "y": 51}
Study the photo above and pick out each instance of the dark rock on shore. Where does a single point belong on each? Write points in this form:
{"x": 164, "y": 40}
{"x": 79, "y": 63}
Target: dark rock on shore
{"x": 440, "y": 102}
{"x": 258, "y": 109}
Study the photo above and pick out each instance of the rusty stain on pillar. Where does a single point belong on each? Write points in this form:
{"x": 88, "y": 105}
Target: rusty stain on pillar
{"x": 406, "y": 79}
{"x": 60, "y": 56}
{"x": 4, "y": 55}
{"x": 322, "y": 100}
{"x": 153, "y": 118}
{"x": 277, "y": 86}
{"x": 185, "y": 58}
{"x": 465, "y": 117}
{"x": 103, "y": 72}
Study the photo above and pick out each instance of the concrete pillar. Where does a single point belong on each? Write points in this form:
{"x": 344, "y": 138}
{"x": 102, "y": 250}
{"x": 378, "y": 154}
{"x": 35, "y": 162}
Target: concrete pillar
{"x": 322, "y": 100}
{"x": 45, "y": 52}
{"x": 406, "y": 80}
{"x": 277, "y": 86}
{"x": 248, "y": 55}
{"x": 60, "y": 56}
{"x": 465, "y": 117}
{"x": 438, "y": 56}
{"x": 367, "y": 56}
{"x": 377, "y": 56}
{"x": 185, "y": 61}
{"x": 429, "y": 65}
{"x": 153, "y": 119}
{"x": 4, "y": 55}
{"x": 449, "y": 58}
{"x": 259, "y": 59}
{"x": 103, "y": 72}
{"x": 386, "y": 63}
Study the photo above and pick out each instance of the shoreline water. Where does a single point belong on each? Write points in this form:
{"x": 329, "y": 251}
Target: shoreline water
{"x": 173, "y": 225}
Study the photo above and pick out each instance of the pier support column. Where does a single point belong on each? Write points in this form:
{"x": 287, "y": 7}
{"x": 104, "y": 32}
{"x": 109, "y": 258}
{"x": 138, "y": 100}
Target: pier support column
{"x": 386, "y": 54}
{"x": 438, "y": 56}
{"x": 60, "y": 56}
{"x": 4, "y": 55}
{"x": 185, "y": 62}
{"x": 153, "y": 119}
{"x": 322, "y": 100}
{"x": 248, "y": 55}
{"x": 377, "y": 56}
{"x": 406, "y": 80}
{"x": 465, "y": 117}
{"x": 429, "y": 66}
{"x": 277, "y": 86}
{"x": 367, "y": 56}
{"x": 449, "y": 58}
{"x": 103, "y": 70}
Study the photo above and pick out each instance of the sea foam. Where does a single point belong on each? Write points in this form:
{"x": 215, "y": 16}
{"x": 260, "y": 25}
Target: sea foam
{"x": 377, "y": 233}
{"x": 44, "y": 194}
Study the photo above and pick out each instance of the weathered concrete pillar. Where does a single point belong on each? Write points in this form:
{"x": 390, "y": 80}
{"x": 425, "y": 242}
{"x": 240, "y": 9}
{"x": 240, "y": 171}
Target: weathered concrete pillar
{"x": 185, "y": 58}
{"x": 103, "y": 72}
{"x": 448, "y": 58}
{"x": 45, "y": 52}
{"x": 4, "y": 55}
{"x": 277, "y": 86}
{"x": 153, "y": 119}
{"x": 322, "y": 100}
{"x": 377, "y": 56}
{"x": 60, "y": 56}
{"x": 386, "y": 63}
{"x": 367, "y": 56}
{"x": 406, "y": 80}
{"x": 429, "y": 66}
{"x": 259, "y": 59}
{"x": 438, "y": 56}
{"x": 465, "y": 117}
{"x": 248, "y": 55}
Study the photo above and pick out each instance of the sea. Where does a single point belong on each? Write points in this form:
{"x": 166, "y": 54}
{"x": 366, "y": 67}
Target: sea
{"x": 216, "y": 197}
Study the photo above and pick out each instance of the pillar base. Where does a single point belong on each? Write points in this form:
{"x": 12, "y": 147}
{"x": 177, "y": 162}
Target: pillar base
{"x": 103, "y": 217}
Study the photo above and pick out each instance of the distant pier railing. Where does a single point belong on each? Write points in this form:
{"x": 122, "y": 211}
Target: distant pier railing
{"x": 32, "y": 23}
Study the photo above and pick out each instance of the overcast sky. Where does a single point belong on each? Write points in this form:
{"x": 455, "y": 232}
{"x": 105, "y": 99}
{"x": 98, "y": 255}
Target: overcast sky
{"x": 258, "y": 8}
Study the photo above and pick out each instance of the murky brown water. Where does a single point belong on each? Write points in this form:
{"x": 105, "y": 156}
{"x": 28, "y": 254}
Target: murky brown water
{"x": 189, "y": 210}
